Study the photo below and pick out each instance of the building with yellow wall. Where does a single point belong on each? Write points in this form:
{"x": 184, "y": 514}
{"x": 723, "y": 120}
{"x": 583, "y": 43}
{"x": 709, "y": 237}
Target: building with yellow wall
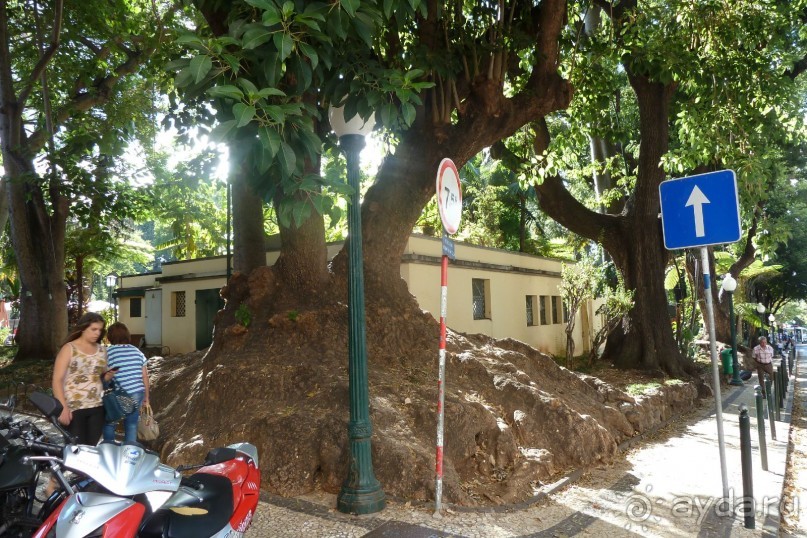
{"x": 495, "y": 292}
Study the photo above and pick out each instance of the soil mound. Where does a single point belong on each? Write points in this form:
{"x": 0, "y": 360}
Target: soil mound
{"x": 514, "y": 418}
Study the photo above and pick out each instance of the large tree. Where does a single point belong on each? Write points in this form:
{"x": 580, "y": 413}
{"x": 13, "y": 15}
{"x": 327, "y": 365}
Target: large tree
{"x": 694, "y": 103}
{"x": 494, "y": 68}
{"x": 275, "y": 67}
{"x": 66, "y": 72}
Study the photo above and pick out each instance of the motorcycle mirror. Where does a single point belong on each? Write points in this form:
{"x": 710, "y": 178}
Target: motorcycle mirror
{"x": 51, "y": 408}
{"x": 47, "y": 405}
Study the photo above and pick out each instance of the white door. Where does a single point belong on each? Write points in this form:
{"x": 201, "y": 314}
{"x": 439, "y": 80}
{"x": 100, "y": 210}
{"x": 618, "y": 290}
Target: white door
{"x": 154, "y": 318}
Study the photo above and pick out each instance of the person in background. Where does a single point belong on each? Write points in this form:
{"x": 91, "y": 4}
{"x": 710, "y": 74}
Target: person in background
{"x": 763, "y": 357}
{"x": 129, "y": 366}
{"x": 77, "y": 372}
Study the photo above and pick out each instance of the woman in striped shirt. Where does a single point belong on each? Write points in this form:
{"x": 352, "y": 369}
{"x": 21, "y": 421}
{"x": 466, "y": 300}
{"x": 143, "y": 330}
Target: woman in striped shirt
{"x": 129, "y": 365}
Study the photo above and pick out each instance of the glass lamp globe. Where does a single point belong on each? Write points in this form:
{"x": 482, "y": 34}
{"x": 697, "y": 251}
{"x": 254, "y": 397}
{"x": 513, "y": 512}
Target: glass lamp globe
{"x": 355, "y": 126}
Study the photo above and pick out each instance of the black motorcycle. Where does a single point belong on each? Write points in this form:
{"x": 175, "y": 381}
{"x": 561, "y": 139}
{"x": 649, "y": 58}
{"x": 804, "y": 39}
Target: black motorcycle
{"x": 21, "y": 510}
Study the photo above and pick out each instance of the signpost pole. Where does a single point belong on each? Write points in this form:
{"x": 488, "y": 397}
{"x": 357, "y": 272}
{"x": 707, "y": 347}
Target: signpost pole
{"x": 698, "y": 211}
{"x": 449, "y": 203}
{"x": 721, "y": 443}
{"x": 438, "y": 490}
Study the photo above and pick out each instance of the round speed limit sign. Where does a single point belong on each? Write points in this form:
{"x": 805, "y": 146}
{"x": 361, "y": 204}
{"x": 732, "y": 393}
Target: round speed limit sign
{"x": 449, "y": 195}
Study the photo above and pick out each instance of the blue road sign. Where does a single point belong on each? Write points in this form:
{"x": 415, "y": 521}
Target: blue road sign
{"x": 700, "y": 210}
{"x": 448, "y": 246}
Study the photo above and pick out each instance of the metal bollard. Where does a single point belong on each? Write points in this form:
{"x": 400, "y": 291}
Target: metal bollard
{"x": 790, "y": 358}
{"x": 763, "y": 445}
{"x": 783, "y": 390}
{"x": 748, "y": 507}
{"x": 777, "y": 389}
{"x": 769, "y": 396}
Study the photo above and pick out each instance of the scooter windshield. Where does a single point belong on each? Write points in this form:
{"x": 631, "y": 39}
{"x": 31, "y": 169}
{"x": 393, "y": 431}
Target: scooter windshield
{"x": 122, "y": 469}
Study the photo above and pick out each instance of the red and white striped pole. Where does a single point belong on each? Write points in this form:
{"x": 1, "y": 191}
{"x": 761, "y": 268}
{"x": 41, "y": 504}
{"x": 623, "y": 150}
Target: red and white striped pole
{"x": 449, "y": 203}
{"x": 438, "y": 490}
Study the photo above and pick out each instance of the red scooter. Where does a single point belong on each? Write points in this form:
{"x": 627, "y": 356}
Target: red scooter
{"x": 133, "y": 494}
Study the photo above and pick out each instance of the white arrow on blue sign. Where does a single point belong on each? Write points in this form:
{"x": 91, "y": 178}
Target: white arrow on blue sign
{"x": 700, "y": 210}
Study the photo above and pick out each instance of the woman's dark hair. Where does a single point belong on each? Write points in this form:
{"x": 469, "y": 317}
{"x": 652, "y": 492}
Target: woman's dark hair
{"x": 118, "y": 334}
{"x": 85, "y": 321}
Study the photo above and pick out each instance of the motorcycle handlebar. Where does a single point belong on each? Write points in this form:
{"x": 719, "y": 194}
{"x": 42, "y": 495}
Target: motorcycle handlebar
{"x": 47, "y": 448}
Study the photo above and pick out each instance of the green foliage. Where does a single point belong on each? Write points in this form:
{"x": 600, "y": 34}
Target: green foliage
{"x": 272, "y": 76}
{"x": 501, "y": 213}
{"x": 617, "y": 301}
{"x": 243, "y": 315}
{"x": 578, "y": 283}
{"x": 189, "y": 207}
{"x": 639, "y": 389}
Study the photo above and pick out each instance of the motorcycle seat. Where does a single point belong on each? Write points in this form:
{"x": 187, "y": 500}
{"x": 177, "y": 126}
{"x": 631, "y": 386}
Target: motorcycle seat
{"x": 208, "y": 512}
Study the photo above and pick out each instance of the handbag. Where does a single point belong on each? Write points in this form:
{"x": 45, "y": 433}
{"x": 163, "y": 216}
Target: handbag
{"x": 117, "y": 402}
{"x": 147, "y": 427}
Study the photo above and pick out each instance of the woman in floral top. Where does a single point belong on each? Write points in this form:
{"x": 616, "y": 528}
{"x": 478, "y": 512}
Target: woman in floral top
{"x": 77, "y": 379}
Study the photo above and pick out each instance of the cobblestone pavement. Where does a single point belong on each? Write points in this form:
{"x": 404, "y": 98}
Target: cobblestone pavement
{"x": 667, "y": 485}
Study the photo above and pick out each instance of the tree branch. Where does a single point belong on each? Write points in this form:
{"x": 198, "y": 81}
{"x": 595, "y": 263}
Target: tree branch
{"x": 747, "y": 257}
{"x": 98, "y": 93}
{"x": 44, "y": 60}
{"x": 100, "y": 52}
{"x": 553, "y": 197}
{"x": 798, "y": 68}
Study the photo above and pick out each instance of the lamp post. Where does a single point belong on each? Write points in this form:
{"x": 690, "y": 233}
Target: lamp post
{"x": 111, "y": 280}
{"x": 760, "y": 311}
{"x": 361, "y": 492}
{"x": 771, "y": 320}
{"x": 729, "y": 285}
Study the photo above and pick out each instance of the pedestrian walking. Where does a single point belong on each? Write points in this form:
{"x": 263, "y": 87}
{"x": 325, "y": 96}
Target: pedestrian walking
{"x": 763, "y": 357}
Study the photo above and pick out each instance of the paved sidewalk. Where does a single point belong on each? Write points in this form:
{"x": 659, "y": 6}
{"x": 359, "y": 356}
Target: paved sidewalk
{"x": 670, "y": 486}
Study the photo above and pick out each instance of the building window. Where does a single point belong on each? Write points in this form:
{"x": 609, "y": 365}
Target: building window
{"x": 178, "y": 304}
{"x": 556, "y": 313}
{"x": 135, "y": 307}
{"x": 531, "y": 300}
{"x": 480, "y": 288}
{"x": 544, "y": 300}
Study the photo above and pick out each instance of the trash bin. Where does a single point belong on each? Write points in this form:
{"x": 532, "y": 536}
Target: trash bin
{"x": 725, "y": 356}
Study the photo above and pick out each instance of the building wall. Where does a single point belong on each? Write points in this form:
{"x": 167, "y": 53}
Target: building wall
{"x": 136, "y": 284}
{"x": 508, "y": 277}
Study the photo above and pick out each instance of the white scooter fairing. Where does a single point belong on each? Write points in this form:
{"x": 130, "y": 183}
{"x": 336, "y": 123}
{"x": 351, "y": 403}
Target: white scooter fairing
{"x": 122, "y": 469}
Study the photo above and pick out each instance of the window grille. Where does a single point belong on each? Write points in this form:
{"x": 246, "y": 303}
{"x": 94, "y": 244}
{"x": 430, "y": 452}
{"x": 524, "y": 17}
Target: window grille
{"x": 179, "y": 304}
{"x": 480, "y": 290}
{"x": 531, "y": 310}
{"x": 555, "y": 309}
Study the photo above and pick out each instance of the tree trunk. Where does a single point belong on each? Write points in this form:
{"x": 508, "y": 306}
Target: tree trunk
{"x": 391, "y": 208}
{"x": 646, "y": 341}
{"x": 303, "y": 263}
{"x": 38, "y": 242}
{"x": 249, "y": 249}
{"x": 633, "y": 239}
{"x": 80, "y": 286}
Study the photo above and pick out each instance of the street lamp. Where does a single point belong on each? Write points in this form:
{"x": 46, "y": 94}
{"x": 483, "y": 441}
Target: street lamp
{"x": 111, "y": 280}
{"x": 760, "y": 311}
{"x": 361, "y": 492}
{"x": 771, "y": 319}
{"x": 729, "y": 285}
